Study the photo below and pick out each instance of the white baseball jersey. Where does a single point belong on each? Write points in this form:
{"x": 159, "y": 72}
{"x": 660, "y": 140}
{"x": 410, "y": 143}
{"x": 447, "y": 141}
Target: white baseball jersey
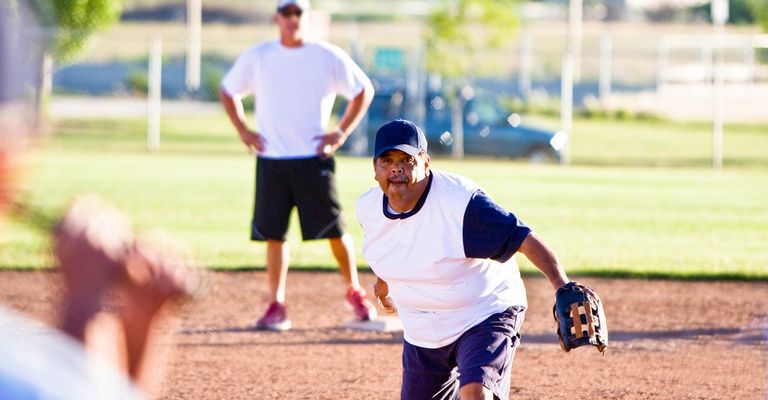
{"x": 448, "y": 262}
{"x": 294, "y": 89}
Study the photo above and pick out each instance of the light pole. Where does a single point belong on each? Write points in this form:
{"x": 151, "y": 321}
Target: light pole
{"x": 194, "y": 33}
{"x": 575, "y": 11}
{"x": 719, "y": 17}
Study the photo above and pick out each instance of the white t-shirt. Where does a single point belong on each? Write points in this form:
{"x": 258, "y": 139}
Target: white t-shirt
{"x": 41, "y": 363}
{"x": 448, "y": 262}
{"x": 294, "y": 89}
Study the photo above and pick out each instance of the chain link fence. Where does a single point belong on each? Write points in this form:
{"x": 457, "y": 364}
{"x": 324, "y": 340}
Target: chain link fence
{"x": 624, "y": 70}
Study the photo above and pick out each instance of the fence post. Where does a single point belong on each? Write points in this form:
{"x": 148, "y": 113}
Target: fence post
{"x": 575, "y": 11}
{"x": 717, "y": 105}
{"x": 662, "y": 59}
{"x": 749, "y": 60}
{"x": 719, "y": 18}
{"x": 606, "y": 67}
{"x": 526, "y": 63}
{"x": 194, "y": 22}
{"x": 566, "y": 104}
{"x": 154, "y": 94}
{"x": 457, "y": 126}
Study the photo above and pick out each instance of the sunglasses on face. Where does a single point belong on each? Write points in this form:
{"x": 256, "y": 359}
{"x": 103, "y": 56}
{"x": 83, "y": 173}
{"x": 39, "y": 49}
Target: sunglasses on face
{"x": 288, "y": 13}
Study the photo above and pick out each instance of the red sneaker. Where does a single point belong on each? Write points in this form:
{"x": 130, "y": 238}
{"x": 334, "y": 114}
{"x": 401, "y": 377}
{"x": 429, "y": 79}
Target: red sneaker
{"x": 275, "y": 319}
{"x": 364, "y": 310}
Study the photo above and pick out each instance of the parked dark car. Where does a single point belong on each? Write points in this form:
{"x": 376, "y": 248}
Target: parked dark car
{"x": 488, "y": 128}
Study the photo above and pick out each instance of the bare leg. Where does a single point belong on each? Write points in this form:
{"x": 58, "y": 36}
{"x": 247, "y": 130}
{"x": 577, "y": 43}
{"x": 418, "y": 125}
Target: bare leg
{"x": 343, "y": 249}
{"x": 277, "y": 269}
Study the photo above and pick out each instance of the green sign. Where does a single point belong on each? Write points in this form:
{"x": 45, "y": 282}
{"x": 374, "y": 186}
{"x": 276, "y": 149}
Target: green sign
{"x": 389, "y": 58}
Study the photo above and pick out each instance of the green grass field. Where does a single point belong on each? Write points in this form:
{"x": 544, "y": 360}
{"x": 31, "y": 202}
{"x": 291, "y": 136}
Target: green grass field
{"x": 637, "y": 200}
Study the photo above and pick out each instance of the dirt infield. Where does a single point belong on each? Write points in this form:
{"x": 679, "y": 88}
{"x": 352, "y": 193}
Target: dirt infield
{"x": 668, "y": 340}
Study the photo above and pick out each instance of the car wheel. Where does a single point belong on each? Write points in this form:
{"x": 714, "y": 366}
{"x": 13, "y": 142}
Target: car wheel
{"x": 540, "y": 156}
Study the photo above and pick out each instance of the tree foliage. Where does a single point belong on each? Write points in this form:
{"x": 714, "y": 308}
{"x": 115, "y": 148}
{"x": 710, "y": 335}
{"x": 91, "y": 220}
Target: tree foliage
{"x": 760, "y": 13}
{"x": 740, "y": 12}
{"x": 459, "y": 28}
{"x": 74, "y": 22}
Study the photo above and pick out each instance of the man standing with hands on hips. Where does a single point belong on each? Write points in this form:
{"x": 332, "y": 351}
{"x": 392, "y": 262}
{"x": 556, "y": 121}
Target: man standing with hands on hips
{"x": 442, "y": 251}
{"x": 295, "y": 82}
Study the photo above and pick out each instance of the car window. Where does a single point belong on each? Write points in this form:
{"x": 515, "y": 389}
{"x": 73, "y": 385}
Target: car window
{"x": 378, "y": 105}
{"x": 438, "y": 109}
{"x": 484, "y": 110}
{"x": 387, "y": 106}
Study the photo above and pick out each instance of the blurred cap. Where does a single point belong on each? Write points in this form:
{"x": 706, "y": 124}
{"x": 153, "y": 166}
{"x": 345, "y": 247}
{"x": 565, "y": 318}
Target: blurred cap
{"x": 400, "y": 135}
{"x": 302, "y": 4}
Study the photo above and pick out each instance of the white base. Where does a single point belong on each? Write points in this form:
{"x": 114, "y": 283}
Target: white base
{"x": 381, "y": 324}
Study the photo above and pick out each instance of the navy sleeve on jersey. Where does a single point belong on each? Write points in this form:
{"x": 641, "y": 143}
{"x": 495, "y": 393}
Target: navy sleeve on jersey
{"x": 491, "y": 231}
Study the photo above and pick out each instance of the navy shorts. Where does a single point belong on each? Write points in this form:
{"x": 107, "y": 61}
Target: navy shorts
{"x": 483, "y": 354}
{"x": 309, "y": 184}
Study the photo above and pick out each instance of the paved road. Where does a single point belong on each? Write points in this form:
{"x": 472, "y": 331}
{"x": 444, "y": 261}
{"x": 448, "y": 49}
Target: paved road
{"x": 683, "y": 102}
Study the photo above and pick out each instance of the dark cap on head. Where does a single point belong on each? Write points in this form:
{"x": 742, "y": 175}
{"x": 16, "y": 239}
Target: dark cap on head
{"x": 400, "y": 135}
{"x": 302, "y": 4}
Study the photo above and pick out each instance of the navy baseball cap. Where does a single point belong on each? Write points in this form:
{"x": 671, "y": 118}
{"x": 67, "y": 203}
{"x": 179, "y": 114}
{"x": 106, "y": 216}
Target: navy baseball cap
{"x": 400, "y": 135}
{"x": 302, "y": 4}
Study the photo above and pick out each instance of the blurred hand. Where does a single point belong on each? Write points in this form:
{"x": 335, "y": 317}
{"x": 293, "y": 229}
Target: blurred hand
{"x": 90, "y": 245}
{"x": 381, "y": 290}
{"x": 158, "y": 270}
{"x": 253, "y": 141}
{"x": 96, "y": 250}
{"x": 592, "y": 293}
{"x": 330, "y": 142}
{"x": 589, "y": 291}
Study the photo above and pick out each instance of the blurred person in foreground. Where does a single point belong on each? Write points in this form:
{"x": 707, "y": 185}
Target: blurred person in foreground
{"x": 295, "y": 81}
{"x": 93, "y": 353}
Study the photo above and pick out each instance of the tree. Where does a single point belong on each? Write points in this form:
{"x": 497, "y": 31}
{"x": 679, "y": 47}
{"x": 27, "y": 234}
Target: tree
{"x": 760, "y": 13}
{"x": 460, "y": 27}
{"x": 457, "y": 30}
{"x": 739, "y": 11}
{"x": 66, "y": 28}
{"x": 74, "y": 22}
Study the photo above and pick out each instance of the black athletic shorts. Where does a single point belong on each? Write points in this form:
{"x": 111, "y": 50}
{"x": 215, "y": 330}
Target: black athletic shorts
{"x": 306, "y": 183}
{"x": 483, "y": 354}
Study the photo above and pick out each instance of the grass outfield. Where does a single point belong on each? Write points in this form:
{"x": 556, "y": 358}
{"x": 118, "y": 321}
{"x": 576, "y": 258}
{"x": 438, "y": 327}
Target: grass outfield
{"x": 619, "y": 220}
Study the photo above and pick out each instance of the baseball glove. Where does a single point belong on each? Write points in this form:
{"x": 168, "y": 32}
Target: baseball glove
{"x": 580, "y": 318}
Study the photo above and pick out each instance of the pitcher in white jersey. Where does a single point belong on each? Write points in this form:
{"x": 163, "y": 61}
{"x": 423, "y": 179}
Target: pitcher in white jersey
{"x": 442, "y": 253}
{"x": 295, "y": 81}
